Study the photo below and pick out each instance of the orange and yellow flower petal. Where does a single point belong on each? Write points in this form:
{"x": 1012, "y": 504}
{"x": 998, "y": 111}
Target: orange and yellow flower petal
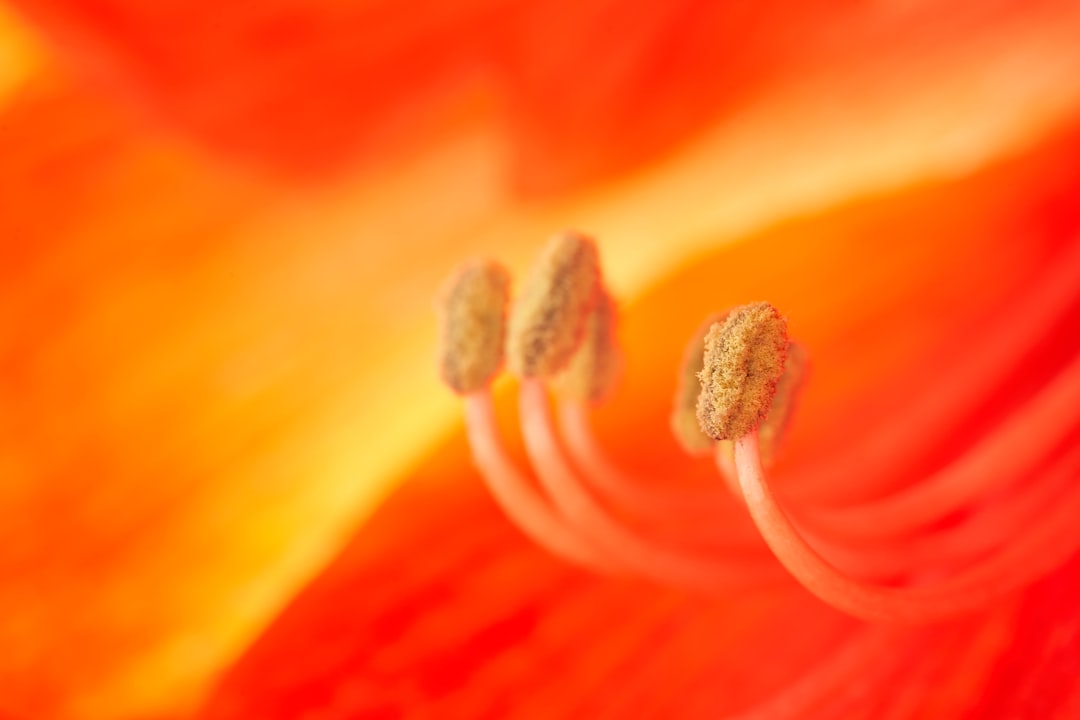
{"x": 213, "y": 377}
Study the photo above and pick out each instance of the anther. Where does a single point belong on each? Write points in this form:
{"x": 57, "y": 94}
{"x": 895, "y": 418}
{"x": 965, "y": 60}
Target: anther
{"x": 594, "y": 368}
{"x": 547, "y": 322}
{"x": 684, "y": 422}
{"x": 744, "y": 359}
{"x": 473, "y": 325}
{"x": 772, "y": 430}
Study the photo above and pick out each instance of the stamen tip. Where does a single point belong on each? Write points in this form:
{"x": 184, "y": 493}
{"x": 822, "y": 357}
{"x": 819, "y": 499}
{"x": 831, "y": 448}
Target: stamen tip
{"x": 743, "y": 361}
{"x": 548, "y": 321}
{"x": 472, "y": 311}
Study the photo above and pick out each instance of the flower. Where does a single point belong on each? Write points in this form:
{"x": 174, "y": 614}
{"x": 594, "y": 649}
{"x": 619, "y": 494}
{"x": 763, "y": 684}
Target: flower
{"x": 206, "y": 235}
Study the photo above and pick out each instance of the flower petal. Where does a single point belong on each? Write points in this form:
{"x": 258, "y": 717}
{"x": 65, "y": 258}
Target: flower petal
{"x": 317, "y": 88}
{"x": 1036, "y": 677}
{"x": 294, "y": 85}
{"x": 587, "y": 107}
{"x": 210, "y": 400}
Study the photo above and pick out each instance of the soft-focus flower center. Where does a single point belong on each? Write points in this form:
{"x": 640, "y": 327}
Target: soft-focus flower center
{"x": 909, "y": 550}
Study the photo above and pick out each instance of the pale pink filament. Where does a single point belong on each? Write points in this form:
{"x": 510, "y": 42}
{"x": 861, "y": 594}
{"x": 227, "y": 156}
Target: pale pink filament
{"x": 515, "y": 494}
{"x": 650, "y": 559}
{"x": 1033, "y": 552}
{"x": 622, "y": 487}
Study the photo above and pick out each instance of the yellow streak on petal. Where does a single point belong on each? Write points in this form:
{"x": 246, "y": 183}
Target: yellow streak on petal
{"x": 842, "y": 133}
{"x": 321, "y": 315}
{"x": 19, "y": 54}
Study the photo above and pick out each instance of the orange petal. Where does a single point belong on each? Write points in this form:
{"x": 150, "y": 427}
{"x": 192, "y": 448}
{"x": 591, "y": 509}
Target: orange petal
{"x": 586, "y": 107}
{"x": 19, "y": 55}
{"x": 313, "y": 88}
{"x": 1036, "y": 676}
{"x": 303, "y": 87}
{"x": 190, "y": 390}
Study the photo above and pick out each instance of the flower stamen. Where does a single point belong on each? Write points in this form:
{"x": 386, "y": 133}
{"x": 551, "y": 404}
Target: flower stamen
{"x": 473, "y": 320}
{"x": 952, "y": 542}
{"x": 548, "y": 320}
{"x": 636, "y": 495}
{"x": 647, "y": 501}
{"x": 560, "y": 479}
{"x": 515, "y": 494}
{"x": 744, "y": 359}
{"x": 473, "y": 323}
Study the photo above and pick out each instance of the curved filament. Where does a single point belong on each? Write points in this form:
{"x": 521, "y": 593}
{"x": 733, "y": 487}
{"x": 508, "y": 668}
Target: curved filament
{"x": 986, "y": 529}
{"x": 622, "y": 488}
{"x": 702, "y": 516}
{"x": 515, "y": 494}
{"x": 1035, "y": 551}
{"x": 640, "y": 554}
{"x": 1014, "y": 448}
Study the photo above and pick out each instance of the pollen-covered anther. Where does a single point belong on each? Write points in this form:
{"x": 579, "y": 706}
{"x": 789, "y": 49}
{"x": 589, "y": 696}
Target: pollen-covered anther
{"x": 547, "y": 323}
{"x": 594, "y": 368}
{"x": 684, "y": 422}
{"x": 473, "y": 325}
{"x": 774, "y": 427}
{"x": 743, "y": 361}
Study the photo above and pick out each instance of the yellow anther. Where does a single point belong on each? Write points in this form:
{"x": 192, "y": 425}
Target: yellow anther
{"x": 473, "y": 325}
{"x": 547, "y": 322}
{"x": 744, "y": 359}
